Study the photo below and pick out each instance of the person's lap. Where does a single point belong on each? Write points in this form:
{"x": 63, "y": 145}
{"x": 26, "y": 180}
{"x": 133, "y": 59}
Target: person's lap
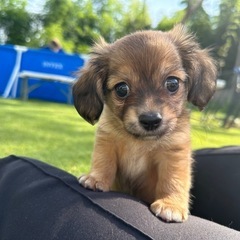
{"x": 38, "y": 201}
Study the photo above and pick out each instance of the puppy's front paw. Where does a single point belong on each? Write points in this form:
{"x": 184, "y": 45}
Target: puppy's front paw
{"x": 91, "y": 182}
{"x": 169, "y": 212}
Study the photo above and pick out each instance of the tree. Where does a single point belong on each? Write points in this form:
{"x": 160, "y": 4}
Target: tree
{"x": 110, "y": 14}
{"x": 195, "y": 18}
{"x": 227, "y": 33}
{"x": 15, "y": 22}
{"x": 200, "y": 23}
{"x": 167, "y": 23}
{"x": 192, "y": 7}
{"x": 78, "y": 23}
{"x": 135, "y": 17}
{"x": 60, "y": 20}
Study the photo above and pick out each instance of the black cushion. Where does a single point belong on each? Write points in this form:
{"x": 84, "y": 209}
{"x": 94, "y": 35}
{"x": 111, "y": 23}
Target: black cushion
{"x": 38, "y": 201}
{"x": 216, "y": 192}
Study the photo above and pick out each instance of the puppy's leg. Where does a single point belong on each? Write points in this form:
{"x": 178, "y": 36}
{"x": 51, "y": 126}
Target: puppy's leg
{"x": 103, "y": 169}
{"x": 173, "y": 186}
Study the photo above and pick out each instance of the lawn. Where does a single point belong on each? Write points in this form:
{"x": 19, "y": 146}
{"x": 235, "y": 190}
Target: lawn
{"x": 56, "y": 134}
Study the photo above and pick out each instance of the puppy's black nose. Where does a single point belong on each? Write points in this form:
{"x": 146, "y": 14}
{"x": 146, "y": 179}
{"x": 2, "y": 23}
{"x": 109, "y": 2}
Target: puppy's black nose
{"x": 150, "y": 120}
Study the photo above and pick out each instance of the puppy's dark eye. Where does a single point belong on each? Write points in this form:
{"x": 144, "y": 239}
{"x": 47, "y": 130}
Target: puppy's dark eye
{"x": 172, "y": 84}
{"x": 122, "y": 90}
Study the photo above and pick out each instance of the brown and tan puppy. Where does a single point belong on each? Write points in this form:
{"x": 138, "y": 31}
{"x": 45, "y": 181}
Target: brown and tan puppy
{"x": 138, "y": 88}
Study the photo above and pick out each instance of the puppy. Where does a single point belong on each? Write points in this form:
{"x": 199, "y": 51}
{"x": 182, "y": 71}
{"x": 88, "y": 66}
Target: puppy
{"x": 138, "y": 88}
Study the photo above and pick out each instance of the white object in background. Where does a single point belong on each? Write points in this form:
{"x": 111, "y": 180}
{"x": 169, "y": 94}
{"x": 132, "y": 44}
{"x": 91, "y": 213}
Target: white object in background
{"x": 12, "y": 83}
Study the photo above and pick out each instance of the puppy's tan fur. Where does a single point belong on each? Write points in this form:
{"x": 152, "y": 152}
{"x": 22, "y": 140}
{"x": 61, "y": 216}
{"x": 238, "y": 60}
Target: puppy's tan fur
{"x": 152, "y": 164}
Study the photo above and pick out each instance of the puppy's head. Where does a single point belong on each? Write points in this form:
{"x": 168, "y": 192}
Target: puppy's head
{"x": 145, "y": 79}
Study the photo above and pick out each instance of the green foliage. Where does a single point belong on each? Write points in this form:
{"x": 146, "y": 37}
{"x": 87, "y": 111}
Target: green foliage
{"x": 136, "y": 17}
{"x": 227, "y": 33}
{"x": 15, "y": 21}
{"x": 200, "y": 24}
{"x": 221, "y": 33}
{"x": 78, "y": 23}
{"x": 167, "y": 23}
{"x": 109, "y": 14}
{"x": 74, "y": 23}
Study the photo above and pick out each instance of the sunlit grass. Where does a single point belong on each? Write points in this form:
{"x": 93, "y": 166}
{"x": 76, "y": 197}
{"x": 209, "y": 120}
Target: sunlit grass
{"x": 51, "y": 132}
{"x": 56, "y": 134}
{"x": 208, "y": 133}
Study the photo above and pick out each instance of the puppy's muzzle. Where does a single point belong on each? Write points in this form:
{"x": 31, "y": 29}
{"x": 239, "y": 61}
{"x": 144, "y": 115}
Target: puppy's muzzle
{"x": 150, "y": 121}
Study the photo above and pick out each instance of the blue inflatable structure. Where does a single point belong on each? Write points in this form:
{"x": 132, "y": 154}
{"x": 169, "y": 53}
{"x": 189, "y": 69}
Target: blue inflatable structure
{"x": 15, "y": 60}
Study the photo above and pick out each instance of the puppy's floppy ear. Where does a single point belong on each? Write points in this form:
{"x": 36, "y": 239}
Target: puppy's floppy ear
{"x": 88, "y": 95}
{"x": 200, "y": 67}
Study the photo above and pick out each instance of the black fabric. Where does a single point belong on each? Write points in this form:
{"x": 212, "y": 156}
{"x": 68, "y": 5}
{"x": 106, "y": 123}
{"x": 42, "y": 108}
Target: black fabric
{"x": 216, "y": 192}
{"x": 38, "y": 201}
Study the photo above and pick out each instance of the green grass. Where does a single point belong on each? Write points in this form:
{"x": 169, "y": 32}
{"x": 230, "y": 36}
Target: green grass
{"x": 56, "y": 134}
{"x": 207, "y": 133}
{"x": 51, "y": 132}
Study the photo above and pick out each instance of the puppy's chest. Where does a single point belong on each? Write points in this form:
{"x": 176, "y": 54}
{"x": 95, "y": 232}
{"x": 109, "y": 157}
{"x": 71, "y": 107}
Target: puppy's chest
{"x": 133, "y": 162}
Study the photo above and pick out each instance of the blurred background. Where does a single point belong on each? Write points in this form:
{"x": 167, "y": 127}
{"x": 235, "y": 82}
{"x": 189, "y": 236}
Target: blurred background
{"x": 77, "y": 23}
{"x": 29, "y": 27}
